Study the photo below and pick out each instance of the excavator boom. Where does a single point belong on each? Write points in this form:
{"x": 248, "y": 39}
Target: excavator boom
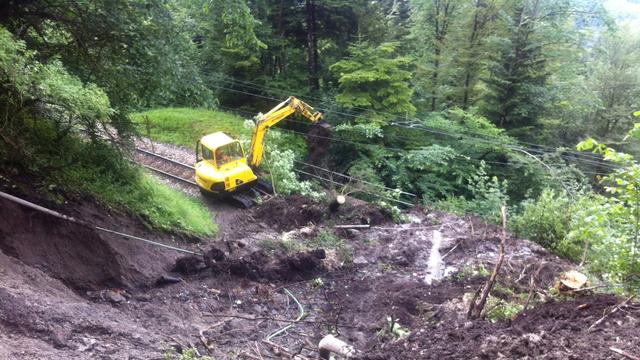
{"x": 274, "y": 116}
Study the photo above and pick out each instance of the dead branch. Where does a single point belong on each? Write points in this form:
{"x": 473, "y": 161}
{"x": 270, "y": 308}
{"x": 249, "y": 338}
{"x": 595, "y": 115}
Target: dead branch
{"x": 532, "y": 286}
{"x": 624, "y": 353}
{"x": 613, "y": 311}
{"x": 255, "y": 343}
{"x": 476, "y": 310}
{"x": 452, "y": 249}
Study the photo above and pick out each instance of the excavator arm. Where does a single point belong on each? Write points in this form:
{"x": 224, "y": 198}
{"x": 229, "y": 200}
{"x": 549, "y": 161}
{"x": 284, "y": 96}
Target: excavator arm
{"x": 274, "y": 116}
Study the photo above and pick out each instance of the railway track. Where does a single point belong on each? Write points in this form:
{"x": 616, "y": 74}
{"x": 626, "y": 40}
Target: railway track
{"x": 184, "y": 174}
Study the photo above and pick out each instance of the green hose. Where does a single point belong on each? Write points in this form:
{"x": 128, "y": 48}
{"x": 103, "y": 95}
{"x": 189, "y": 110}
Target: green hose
{"x": 300, "y": 316}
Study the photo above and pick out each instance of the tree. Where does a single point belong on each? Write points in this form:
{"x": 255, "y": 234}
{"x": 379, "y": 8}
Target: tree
{"x": 432, "y": 21}
{"x": 375, "y": 83}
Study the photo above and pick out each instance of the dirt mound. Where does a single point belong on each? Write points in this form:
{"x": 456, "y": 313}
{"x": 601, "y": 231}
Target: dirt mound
{"x": 258, "y": 265}
{"x": 285, "y": 214}
{"x": 293, "y": 212}
{"x": 70, "y": 252}
{"x": 553, "y": 330}
{"x": 81, "y": 257}
{"x": 363, "y": 214}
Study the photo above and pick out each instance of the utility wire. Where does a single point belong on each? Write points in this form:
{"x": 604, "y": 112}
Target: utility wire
{"x": 259, "y": 87}
{"x": 394, "y": 148}
{"x": 426, "y": 129}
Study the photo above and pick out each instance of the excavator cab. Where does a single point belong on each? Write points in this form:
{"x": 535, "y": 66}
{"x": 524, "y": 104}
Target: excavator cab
{"x": 221, "y": 165}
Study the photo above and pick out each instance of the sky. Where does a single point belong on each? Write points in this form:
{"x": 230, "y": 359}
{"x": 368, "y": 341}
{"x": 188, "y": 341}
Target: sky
{"x": 626, "y": 12}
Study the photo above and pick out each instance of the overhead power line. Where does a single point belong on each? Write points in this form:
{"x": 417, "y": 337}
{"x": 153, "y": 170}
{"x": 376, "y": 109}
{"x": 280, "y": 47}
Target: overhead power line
{"x": 259, "y": 87}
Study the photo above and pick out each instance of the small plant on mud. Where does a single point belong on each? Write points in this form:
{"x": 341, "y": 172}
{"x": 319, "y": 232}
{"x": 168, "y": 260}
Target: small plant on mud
{"x": 394, "y": 329}
{"x": 499, "y": 309}
{"x": 396, "y": 214}
{"x": 317, "y": 283}
{"x": 468, "y": 272}
{"x": 329, "y": 241}
{"x": 284, "y": 245}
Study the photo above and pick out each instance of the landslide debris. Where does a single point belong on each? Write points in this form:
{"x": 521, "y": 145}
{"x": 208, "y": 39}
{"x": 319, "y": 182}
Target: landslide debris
{"x": 66, "y": 292}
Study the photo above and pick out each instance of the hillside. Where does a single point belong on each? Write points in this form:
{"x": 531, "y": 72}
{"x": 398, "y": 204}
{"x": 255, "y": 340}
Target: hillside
{"x": 82, "y": 294}
{"x": 380, "y": 179}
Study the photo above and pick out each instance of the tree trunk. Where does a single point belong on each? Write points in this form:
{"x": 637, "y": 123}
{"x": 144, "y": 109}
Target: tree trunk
{"x": 312, "y": 45}
{"x": 472, "y": 44}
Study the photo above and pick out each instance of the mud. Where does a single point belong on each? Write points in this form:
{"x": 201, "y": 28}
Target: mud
{"x": 66, "y": 292}
{"x": 553, "y": 330}
{"x": 293, "y": 212}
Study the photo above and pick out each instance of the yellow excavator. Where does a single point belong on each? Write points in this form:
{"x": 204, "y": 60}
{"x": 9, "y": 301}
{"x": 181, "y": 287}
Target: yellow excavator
{"x": 221, "y": 165}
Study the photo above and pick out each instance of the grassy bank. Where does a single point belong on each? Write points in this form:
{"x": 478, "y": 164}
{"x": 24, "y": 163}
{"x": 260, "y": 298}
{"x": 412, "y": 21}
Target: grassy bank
{"x": 101, "y": 171}
{"x": 184, "y": 126}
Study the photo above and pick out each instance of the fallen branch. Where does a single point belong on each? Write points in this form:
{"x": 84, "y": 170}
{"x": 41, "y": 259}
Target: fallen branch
{"x": 354, "y": 226}
{"x": 623, "y": 353}
{"x": 613, "y": 311}
{"x": 452, "y": 249}
{"x": 532, "y": 286}
{"x": 255, "y": 343}
{"x": 476, "y": 310}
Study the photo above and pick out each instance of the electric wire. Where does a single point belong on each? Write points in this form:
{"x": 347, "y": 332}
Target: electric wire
{"x": 422, "y": 128}
{"x": 258, "y": 87}
{"x": 395, "y": 149}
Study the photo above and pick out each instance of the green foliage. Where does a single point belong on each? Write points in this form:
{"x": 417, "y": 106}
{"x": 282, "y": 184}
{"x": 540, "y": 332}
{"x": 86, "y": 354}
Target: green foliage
{"x": 52, "y": 135}
{"x": 374, "y": 78}
{"x": 187, "y": 354}
{"x": 547, "y": 220}
{"x": 500, "y": 310}
{"x": 280, "y": 165}
{"x": 612, "y": 229}
{"x": 487, "y": 196}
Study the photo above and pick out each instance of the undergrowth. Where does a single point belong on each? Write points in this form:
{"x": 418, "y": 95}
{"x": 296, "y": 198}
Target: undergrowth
{"x": 100, "y": 170}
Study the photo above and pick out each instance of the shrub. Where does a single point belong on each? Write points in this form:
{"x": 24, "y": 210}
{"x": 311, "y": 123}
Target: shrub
{"x": 488, "y": 194}
{"x": 545, "y": 220}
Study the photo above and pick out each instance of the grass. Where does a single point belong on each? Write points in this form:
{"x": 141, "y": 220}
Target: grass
{"x": 160, "y": 206}
{"x": 184, "y": 126}
{"x": 103, "y": 172}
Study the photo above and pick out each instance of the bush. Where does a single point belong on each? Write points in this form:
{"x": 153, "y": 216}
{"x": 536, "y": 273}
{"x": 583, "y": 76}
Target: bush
{"x": 545, "y": 220}
{"x": 488, "y": 195}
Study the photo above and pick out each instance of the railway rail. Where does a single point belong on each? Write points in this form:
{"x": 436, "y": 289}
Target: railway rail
{"x": 184, "y": 173}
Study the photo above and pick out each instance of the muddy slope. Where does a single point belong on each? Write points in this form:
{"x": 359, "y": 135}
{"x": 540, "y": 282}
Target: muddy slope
{"x": 67, "y": 292}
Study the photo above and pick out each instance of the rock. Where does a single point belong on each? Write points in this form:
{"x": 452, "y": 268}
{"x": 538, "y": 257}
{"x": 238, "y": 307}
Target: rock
{"x": 306, "y": 231}
{"x": 352, "y": 233}
{"x": 532, "y": 338}
{"x": 60, "y": 338}
{"x": 143, "y": 298}
{"x": 114, "y": 297}
{"x": 360, "y": 260}
{"x": 215, "y": 254}
{"x": 166, "y": 279}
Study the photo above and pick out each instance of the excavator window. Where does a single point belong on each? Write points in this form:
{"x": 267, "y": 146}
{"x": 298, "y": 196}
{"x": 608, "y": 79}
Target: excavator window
{"x": 206, "y": 153}
{"x": 228, "y": 153}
